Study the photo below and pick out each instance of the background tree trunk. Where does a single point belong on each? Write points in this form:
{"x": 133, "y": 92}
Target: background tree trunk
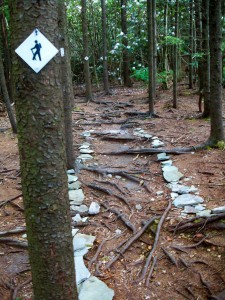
{"x": 39, "y": 109}
{"x": 150, "y": 57}
{"x": 215, "y": 15}
{"x": 175, "y": 56}
{"x": 68, "y": 97}
{"x": 6, "y": 95}
{"x": 104, "y": 49}
{"x": 126, "y": 60}
{"x": 87, "y": 74}
{"x": 198, "y": 28}
{"x": 206, "y": 58}
{"x": 190, "y": 69}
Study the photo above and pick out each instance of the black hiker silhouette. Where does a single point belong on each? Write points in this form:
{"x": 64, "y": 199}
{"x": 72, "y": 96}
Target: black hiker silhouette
{"x": 37, "y": 52}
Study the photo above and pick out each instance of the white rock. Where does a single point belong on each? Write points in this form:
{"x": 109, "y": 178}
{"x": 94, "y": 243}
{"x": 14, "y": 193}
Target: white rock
{"x": 76, "y": 197}
{"x": 218, "y": 210}
{"x": 94, "y": 208}
{"x": 187, "y": 199}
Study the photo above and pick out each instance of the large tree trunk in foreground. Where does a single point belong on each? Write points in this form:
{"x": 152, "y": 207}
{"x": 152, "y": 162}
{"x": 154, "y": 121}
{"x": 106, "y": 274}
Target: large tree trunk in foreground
{"x": 39, "y": 109}
{"x": 217, "y": 130}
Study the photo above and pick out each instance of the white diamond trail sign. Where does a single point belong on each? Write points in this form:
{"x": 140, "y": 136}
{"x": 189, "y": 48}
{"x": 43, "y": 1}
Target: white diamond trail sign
{"x": 36, "y": 50}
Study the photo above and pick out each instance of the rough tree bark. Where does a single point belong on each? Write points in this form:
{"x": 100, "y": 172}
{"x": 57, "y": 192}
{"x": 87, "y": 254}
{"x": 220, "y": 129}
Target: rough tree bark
{"x": 151, "y": 88}
{"x": 206, "y": 58}
{"x": 68, "y": 97}
{"x": 215, "y": 42}
{"x": 87, "y": 75}
{"x": 175, "y": 56}
{"x": 39, "y": 109}
{"x": 104, "y": 49}
{"x": 126, "y": 59}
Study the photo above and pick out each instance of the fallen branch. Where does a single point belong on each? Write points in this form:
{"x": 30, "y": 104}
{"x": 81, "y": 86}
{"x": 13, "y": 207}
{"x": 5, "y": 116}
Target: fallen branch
{"x": 145, "y": 268}
{"x": 116, "y": 186}
{"x": 151, "y": 271}
{"x": 151, "y": 151}
{"x": 13, "y": 231}
{"x": 14, "y": 242}
{"x": 170, "y": 256}
{"x": 188, "y": 224}
{"x": 130, "y": 242}
{"x": 120, "y": 216}
{"x": 4, "y": 202}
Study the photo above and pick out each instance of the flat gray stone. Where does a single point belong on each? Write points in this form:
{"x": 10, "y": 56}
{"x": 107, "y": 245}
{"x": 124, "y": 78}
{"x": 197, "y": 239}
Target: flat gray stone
{"x": 74, "y": 185}
{"x": 162, "y": 156}
{"x": 94, "y": 208}
{"x": 171, "y": 173}
{"x": 71, "y": 171}
{"x": 86, "y": 134}
{"x": 84, "y": 146}
{"x": 72, "y": 178}
{"x": 95, "y": 289}
{"x": 218, "y": 210}
{"x": 166, "y": 163}
{"x": 182, "y": 189}
{"x": 157, "y": 144}
{"x": 204, "y": 213}
{"x": 81, "y": 208}
{"x": 81, "y": 270}
{"x": 138, "y": 206}
{"x": 76, "y": 197}
{"x": 85, "y": 157}
{"x": 189, "y": 209}
{"x": 187, "y": 199}
{"x": 199, "y": 207}
{"x": 86, "y": 151}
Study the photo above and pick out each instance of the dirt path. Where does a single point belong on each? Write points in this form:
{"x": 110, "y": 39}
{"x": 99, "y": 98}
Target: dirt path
{"x": 138, "y": 191}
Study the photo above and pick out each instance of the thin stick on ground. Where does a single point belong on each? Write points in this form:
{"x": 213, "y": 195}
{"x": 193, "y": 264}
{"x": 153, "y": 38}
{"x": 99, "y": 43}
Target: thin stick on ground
{"x": 4, "y": 202}
{"x": 151, "y": 271}
{"x": 145, "y": 268}
{"x": 14, "y": 297}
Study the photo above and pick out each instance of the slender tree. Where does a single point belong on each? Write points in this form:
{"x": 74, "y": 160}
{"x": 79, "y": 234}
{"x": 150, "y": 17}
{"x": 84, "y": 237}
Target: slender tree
{"x": 205, "y": 58}
{"x": 198, "y": 28}
{"x": 175, "y": 56}
{"x": 87, "y": 74}
{"x": 6, "y": 95}
{"x": 68, "y": 97}
{"x": 151, "y": 94}
{"x": 215, "y": 31}
{"x": 190, "y": 68}
{"x": 126, "y": 59}
{"x": 40, "y": 120}
{"x": 104, "y": 48}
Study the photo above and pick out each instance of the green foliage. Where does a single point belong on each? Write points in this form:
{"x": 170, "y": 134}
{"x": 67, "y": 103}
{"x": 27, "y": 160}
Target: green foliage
{"x": 140, "y": 74}
{"x": 172, "y": 40}
{"x": 221, "y": 145}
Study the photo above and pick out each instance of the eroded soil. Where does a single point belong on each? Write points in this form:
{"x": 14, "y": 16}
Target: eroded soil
{"x": 191, "y": 273}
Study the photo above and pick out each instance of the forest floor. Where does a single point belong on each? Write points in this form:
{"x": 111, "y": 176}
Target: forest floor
{"x": 189, "y": 264}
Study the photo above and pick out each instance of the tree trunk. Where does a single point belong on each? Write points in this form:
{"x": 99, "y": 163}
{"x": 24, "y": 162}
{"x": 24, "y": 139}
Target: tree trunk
{"x": 190, "y": 69}
{"x": 206, "y": 58}
{"x": 215, "y": 42}
{"x": 126, "y": 59}
{"x": 154, "y": 47}
{"x": 39, "y": 109}
{"x": 150, "y": 57}
{"x": 68, "y": 97}
{"x": 6, "y": 95}
{"x": 175, "y": 56}
{"x": 87, "y": 74}
{"x": 104, "y": 49}
{"x": 198, "y": 28}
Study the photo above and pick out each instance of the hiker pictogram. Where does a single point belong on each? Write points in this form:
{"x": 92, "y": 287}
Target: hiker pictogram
{"x": 37, "y": 47}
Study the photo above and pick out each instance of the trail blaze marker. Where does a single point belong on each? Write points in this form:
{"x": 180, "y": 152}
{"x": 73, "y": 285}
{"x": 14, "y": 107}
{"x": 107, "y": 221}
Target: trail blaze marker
{"x": 36, "y": 50}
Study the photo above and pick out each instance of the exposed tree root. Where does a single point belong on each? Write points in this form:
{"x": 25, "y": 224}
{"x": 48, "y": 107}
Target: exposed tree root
{"x": 109, "y": 192}
{"x": 170, "y": 256}
{"x": 14, "y": 242}
{"x": 120, "y": 216}
{"x": 130, "y": 242}
{"x": 201, "y": 223}
{"x": 145, "y": 268}
{"x": 4, "y": 202}
{"x": 13, "y": 231}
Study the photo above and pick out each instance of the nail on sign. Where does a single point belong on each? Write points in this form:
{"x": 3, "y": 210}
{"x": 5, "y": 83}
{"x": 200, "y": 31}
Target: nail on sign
{"x": 36, "y": 50}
